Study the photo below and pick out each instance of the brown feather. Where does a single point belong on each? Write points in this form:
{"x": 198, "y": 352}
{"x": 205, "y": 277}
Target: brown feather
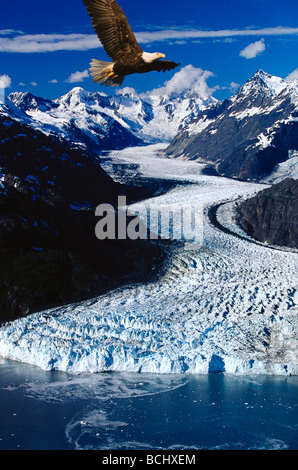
{"x": 112, "y": 28}
{"x": 159, "y": 66}
{"x": 163, "y": 65}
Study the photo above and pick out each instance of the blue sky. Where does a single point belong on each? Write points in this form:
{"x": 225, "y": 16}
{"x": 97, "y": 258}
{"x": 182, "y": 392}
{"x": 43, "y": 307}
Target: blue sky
{"x": 46, "y": 46}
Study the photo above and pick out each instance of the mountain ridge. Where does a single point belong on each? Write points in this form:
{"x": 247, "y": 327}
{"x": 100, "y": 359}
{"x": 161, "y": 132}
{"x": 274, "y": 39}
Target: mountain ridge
{"x": 246, "y": 136}
{"x": 98, "y": 121}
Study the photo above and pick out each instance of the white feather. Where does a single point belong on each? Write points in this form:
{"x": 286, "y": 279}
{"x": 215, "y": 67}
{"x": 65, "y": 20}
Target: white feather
{"x": 149, "y": 57}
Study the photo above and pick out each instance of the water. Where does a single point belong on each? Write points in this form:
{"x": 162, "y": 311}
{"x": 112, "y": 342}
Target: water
{"x": 41, "y": 410}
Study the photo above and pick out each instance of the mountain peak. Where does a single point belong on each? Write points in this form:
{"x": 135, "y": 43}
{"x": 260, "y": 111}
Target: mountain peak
{"x": 75, "y": 97}
{"x": 262, "y": 74}
{"x": 27, "y": 101}
{"x": 76, "y": 91}
{"x": 263, "y": 81}
{"x": 19, "y": 97}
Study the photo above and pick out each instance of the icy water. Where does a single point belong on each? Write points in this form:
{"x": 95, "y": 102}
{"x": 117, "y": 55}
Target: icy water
{"x": 119, "y": 411}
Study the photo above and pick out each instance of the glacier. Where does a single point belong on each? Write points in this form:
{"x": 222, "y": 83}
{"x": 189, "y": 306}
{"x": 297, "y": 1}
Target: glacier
{"x": 230, "y": 305}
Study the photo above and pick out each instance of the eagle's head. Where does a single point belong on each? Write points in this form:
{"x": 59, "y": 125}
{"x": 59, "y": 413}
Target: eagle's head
{"x": 149, "y": 57}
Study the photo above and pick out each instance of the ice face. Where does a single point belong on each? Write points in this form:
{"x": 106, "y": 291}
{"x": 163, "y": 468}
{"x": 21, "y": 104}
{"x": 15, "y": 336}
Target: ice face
{"x": 229, "y": 306}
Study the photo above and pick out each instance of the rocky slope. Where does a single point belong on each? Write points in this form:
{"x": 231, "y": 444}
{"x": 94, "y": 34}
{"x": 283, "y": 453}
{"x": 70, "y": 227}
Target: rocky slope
{"x": 246, "y": 136}
{"x": 271, "y": 216}
{"x": 48, "y": 193}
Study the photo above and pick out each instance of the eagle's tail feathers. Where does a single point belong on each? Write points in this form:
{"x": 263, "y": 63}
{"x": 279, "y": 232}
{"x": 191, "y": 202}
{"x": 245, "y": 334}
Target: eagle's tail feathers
{"x": 103, "y": 72}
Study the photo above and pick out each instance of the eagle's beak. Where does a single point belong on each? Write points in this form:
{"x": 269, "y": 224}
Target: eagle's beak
{"x": 162, "y": 56}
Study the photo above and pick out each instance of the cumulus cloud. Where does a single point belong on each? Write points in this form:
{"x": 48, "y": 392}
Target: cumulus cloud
{"x": 16, "y": 41}
{"x": 292, "y": 76}
{"x": 188, "y": 79}
{"x": 234, "y": 87}
{"x": 252, "y": 50}
{"x": 126, "y": 90}
{"x": 77, "y": 76}
{"x": 5, "y": 81}
{"x": 53, "y": 81}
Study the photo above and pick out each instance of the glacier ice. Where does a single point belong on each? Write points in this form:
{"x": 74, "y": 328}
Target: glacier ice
{"x": 229, "y": 306}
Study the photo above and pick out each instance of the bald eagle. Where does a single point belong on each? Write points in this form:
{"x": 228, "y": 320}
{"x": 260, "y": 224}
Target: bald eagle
{"x": 119, "y": 42}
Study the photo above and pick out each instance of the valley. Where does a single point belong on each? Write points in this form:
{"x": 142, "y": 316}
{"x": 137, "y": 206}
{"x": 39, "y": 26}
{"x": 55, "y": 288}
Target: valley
{"x": 230, "y": 306}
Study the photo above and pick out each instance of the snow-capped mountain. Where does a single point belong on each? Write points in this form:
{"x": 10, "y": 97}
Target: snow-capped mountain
{"x": 79, "y": 117}
{"x": 246, "y": 136}
{"x": 102, "y": 122}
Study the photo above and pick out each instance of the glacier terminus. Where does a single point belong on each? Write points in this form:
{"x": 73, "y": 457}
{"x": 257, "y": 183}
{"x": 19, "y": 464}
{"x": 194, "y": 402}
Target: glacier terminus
{"x": 229, "y": 306}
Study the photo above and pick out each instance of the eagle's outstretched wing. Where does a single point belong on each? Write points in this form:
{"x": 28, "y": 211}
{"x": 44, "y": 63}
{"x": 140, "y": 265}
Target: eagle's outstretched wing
{"x": 162, "y": 65}
{"x": 112, "y": 28}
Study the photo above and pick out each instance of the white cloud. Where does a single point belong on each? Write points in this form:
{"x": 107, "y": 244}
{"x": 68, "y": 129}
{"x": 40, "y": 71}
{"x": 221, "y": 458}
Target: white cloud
{"x": 6, "y": 32}
{"x": 188, "y": 79}
{"x": 174, "y": 34}
{"x": 292, "y": 76}
{"x": 16, "y": 41}
{"x": 5, "y": 81}
{"x": 252, "y": 50}
{"x": 53, "y": 81}
{"x": 22, "y": 84}
{"x": 234, "y": 87}
{"x": 30, "y": 43}
{"x": 77, "y": 76}
{"x": 33, "y": 83}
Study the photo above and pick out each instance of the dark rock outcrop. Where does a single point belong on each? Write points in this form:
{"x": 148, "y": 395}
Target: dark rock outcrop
{"x": 271, "y": 216}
